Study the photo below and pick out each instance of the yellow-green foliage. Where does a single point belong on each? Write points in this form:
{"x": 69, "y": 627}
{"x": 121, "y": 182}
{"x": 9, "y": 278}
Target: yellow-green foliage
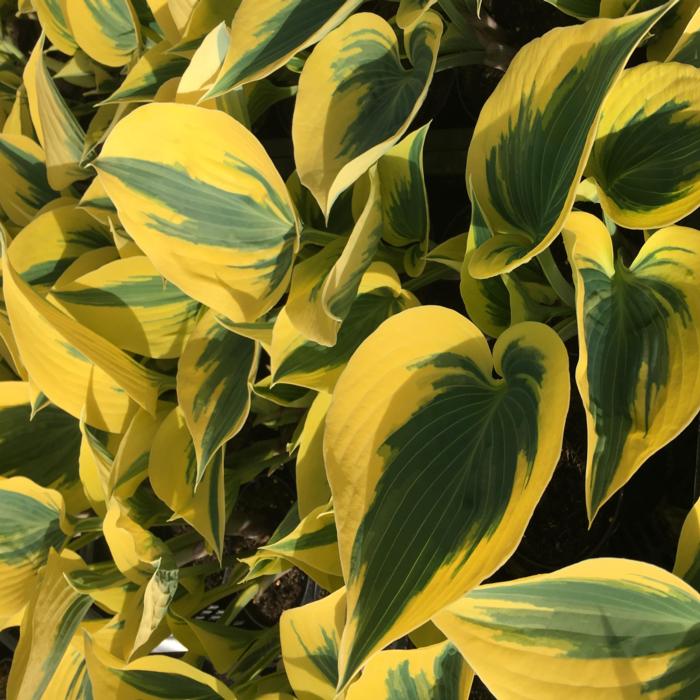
{"x": 184, "y": 312}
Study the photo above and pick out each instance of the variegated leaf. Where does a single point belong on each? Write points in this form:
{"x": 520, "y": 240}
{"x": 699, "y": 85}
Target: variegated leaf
{"x": 310, "y": 637}
{"x": 51, "y": 619}
{"x": 214, "y": 381}
{"x": 639, "y": 364}
{"x": 127, "y": 302}
{"x": 325, "y": 285}
{"x": 215, "y": 220}
{"x": 149, "y": 678}
{"x": 26, "y": 188}
{"x": 107, "y": 30}
{"x": 44, "y": 249}
{"x": 265, "y": 34}
{"x": 342, "y": 122}
{"x": 296, "y": 360}
{"x": 646, "y": 156}
{"x": 56, "y": 127}
{"x": 435, "y": 467}
{"x": 32, "y": 521}
{"x": 602, "y": 628}
{"x": 437, "y": 672}
{"x": 78, "y": 370}
{"x": 172, "y": 470}
{"x": 536, "y": 130}
{"x": 43, "y": 448}
{"x": 153, "y": 69}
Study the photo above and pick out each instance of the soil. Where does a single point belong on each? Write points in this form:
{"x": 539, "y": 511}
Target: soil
{"x": 286, "y": 592}
{"x": 480, "y": 691}
{"x": 4, "y": 675}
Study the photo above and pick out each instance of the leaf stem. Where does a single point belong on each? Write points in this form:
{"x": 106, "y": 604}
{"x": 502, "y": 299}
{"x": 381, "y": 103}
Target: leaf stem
{"x": 563, "y": 289}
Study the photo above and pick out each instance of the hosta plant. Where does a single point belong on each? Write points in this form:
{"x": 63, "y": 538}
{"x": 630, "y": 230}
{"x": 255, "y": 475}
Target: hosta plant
{"x": 350, "y": 349}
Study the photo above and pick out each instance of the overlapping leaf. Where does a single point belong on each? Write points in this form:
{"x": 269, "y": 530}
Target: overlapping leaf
{"x": 265, "y": 34}
{"x": 342, "y": 123}
{"x": 215, "y": 219}
{"x": 601, "y": 628}
{"x": 536, "y": 131}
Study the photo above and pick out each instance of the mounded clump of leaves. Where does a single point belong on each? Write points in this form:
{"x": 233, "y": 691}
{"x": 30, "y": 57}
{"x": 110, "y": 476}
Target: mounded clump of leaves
{"x": 236, "y": 382}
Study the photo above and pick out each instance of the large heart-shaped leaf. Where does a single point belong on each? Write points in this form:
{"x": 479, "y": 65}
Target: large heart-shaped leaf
{"x": 536, "y": 131}
{"x": 639, "y": 364}
{"x": 435, "y": 467}
{"x": 199, "y": 195}
{"x": 603, "y": 628}
{"x": 356, "y": 99}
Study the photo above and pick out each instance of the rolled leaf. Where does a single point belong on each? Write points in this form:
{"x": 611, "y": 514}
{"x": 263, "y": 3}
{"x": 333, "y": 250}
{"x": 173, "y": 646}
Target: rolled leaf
{"x": 602, "y": 628}
{"x": 687, "y": 48}
{"x": 311, "y": 481}
{"x": 486, "y": 301}
{"x": 296, "y": 360}
{"x": 535, "y": 133}
{"x": 172, "y": 470}
{"x": 405, "y": 199}
{"x": 265, "y": 34}
{"x": 217, "y": 224}
{"x": 687, "y": 564}
{"x": 155, "y": 67}
{"x": 639, "y": 363}
{"x": 435, "y": 467}
{"x": 341, "y": 124}
{"x": 313, "y": 547}
{"x": 57, "y": 129}
{"x": 325, "y": 285}
{"x": 214, "y": 382}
